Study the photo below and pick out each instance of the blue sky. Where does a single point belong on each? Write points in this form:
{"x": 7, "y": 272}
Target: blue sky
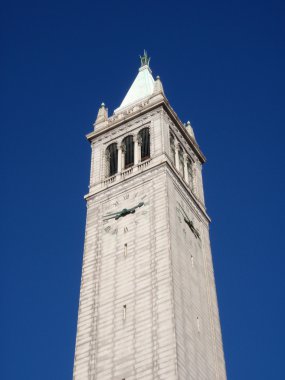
{"x": 222, "y": 67}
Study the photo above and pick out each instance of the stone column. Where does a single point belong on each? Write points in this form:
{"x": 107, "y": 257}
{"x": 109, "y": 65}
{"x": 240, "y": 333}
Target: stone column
{"x": 136, "y": 150}
{"x": 120, "y": 159}
{"x": 107, "y": 163}
{"x": 123, "y": 150}
{"x": 140, "y": 148}
{"x": 176, "y": 155}
{"x": 185, "y": 157}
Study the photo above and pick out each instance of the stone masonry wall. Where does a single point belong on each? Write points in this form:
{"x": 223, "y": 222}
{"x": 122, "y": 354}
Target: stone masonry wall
{"x": 141, "y": 344}
{"x": 198, "y": 336}
{"x": 148, "y": 307}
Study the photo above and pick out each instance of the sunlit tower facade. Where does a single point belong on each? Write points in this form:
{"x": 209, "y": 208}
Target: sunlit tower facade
{"x": 148, "y": 307}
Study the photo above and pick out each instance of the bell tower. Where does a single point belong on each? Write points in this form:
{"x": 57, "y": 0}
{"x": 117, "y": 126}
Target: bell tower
{"x": 148, "y": 308}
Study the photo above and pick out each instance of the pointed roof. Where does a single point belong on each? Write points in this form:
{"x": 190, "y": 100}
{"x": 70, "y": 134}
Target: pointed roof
{"x": 190, "y": 130}
{"x": 142, "y": 87}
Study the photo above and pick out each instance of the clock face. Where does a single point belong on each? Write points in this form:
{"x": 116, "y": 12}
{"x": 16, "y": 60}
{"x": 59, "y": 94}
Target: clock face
{"x": 188, "y": 224}
{"x": 125, "y": 200}
{"x": 189, "y": 249}
{"x": 126, "y": 208}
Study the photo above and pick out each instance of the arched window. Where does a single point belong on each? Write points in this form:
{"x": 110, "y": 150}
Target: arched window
{"x": 172, "y": 148}
{"x": 112, "y": 159}
{"x": 145, "y": 144}
{"x": 181, "y": 161}
{"x": 128, "y": 144}
{"x": 190, "y": 173}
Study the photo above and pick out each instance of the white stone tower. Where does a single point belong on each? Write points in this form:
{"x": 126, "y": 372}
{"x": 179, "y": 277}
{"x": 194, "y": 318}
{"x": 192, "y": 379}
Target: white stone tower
{"x": 148, "y": 308}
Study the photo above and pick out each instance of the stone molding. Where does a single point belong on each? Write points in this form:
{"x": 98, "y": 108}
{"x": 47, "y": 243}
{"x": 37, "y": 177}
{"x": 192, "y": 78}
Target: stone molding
{"x": 147, "y": 106}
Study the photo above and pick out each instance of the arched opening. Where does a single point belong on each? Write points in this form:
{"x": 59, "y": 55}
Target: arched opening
{"x": 128, "y": 144}
{"x": 144, "y": 138}
{"x": 112, "y": 159}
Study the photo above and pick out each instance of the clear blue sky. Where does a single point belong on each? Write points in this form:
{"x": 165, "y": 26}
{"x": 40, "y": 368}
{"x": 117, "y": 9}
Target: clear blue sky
{"x": 222, "y": 65}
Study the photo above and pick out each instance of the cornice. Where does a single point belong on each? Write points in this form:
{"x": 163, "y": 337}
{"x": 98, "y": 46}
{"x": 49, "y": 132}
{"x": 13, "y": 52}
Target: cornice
{"x": 162, "y": 101}
{"x": 128, "y": 117}
{"x": 184, "y": 132}
{"x": 90, "y": 196}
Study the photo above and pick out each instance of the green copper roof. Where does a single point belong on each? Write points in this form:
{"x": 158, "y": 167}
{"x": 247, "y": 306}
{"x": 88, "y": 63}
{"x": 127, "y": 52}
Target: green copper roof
{"x": 142, "y": 86}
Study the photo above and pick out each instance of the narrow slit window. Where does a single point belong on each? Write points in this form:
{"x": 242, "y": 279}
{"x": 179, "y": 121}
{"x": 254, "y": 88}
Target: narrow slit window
{"x": 125, "y": 249}
{"x": 198, "y": 324}
{"x": 124, "y": 312}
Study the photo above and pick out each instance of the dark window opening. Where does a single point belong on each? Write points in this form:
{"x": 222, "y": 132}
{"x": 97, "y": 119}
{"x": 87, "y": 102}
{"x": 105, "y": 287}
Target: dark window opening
{"x": 129, "y": 151}
{"x": 112, "y": 158}
{"x": 145, "y": 144}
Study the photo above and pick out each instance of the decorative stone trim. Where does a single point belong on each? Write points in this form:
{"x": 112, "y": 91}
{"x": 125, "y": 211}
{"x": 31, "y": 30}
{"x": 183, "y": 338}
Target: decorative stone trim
{"x": 144, "y": 164}
{"x": 109, "y": 180}
{"x": 126, "y": 172}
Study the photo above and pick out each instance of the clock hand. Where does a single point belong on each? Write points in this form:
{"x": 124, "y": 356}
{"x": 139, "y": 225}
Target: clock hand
{"x": 127, "y": 211}
{"x": 184, "y": 213}
{"x": 193, "y": 229}
{"x": 123, "y": 212}
{"x": 131, "y": 210}
{"x": 189, "y": 223}
{"x": 112, "y": 215}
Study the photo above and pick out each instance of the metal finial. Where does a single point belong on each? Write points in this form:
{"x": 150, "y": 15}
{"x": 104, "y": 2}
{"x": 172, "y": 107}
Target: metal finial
{"x": 144, "y": 59}
{"x": 102, "y": 104}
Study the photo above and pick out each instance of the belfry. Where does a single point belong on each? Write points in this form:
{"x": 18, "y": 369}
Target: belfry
{"x": 148, "y": 307}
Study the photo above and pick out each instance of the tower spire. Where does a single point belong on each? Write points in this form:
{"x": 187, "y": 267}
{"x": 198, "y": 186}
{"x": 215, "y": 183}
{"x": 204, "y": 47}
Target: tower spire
{"x": 142, "y": 86}
{"x": 145, "y": 59}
